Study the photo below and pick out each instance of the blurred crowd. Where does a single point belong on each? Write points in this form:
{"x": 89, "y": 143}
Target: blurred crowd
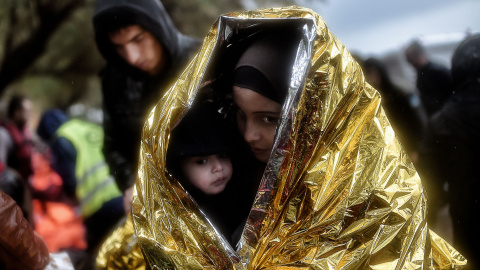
{"x": 72, "y": 180}
{"x": 438, "y": 124}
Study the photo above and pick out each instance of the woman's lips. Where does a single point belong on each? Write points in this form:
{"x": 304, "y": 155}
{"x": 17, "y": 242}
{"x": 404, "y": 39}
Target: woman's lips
{"x": 257, "y": 150}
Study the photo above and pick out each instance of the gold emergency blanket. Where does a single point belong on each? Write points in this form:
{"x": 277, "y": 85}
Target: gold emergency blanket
{"x": 120, "y": 250}
{"x": 338, "y": 192}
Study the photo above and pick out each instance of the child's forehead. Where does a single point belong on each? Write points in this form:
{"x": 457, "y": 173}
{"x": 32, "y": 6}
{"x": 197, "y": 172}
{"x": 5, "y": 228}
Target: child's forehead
{"x": 218, "y": 155}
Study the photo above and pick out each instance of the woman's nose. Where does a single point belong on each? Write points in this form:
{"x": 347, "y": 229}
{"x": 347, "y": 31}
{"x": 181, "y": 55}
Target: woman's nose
{"x": 251, "y": 133}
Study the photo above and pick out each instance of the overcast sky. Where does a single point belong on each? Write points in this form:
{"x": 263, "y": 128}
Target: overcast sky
{"x": 378, "y": 26}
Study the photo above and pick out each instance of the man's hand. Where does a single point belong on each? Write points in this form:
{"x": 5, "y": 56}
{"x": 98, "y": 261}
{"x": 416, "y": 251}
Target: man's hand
{"x": 127, "y": 199}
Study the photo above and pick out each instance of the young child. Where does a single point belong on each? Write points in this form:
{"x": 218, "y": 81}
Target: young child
{"x": 199, "y": 151}
{"x": 200, "y": 156}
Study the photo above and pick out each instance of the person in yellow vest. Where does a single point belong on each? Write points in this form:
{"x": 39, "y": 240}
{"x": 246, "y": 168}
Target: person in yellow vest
{"x": 76, "y": 147}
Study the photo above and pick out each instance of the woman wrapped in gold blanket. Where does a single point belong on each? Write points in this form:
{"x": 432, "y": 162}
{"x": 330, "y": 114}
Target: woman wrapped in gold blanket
{"x": 336, "y": 190}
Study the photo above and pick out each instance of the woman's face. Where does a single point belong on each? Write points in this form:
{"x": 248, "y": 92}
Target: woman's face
{"x": 257, "y": 118}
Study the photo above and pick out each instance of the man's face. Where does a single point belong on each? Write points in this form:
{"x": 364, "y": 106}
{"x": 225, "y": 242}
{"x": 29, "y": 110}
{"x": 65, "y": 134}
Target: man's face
{"x": 22, "y": 115}
{"x": 139, "y": 48}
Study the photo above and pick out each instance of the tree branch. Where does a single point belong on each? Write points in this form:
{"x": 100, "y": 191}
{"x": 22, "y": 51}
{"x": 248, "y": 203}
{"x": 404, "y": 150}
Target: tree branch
{"x": 20, "y": 58}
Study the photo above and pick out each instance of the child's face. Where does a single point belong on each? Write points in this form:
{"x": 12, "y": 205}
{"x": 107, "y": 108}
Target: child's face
{"x": 210, "y": 174}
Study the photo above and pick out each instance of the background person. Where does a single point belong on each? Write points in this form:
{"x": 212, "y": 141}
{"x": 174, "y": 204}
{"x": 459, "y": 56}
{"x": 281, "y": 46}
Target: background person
{"x": 18, "y": 116}
{"x": 57, "y": 217}
{"x": 451, "y": 148}
{"x": 144, "y": 53}
{"x": 405, "y": 111}
{"x": 433, "y": 80}
{"x": 76, "y": 147}
{"x": 17, "y": 146}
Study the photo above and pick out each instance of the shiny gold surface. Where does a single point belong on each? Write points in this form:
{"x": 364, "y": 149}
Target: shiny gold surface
{"x": 338, "y": 192}
{"x": 120, "y": 250}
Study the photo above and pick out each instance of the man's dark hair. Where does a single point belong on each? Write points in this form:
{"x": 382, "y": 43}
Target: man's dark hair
{"x": 118, "y": 19}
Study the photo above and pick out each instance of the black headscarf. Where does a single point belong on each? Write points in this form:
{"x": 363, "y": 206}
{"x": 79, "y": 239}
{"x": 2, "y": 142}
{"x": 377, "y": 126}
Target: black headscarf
{"x": 266, "y": 66}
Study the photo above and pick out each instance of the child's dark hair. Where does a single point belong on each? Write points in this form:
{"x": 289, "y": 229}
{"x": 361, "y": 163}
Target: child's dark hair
{"x": 203, "y": 131}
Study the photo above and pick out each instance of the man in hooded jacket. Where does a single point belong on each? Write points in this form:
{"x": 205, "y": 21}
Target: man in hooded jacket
{"x": 144, "y": 53}
{"x": 433, "y": 80}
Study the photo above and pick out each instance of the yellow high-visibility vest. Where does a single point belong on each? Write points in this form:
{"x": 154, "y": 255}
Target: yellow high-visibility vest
{"x": 95, "y": 185}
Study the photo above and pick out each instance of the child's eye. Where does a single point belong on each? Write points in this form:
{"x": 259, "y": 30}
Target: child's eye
{"x": 201, "y": 161}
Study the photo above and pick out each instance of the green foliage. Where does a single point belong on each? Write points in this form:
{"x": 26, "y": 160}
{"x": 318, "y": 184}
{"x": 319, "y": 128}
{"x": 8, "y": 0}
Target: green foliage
{"x": 70, "y": 62}
{"x": 72, "y": 48}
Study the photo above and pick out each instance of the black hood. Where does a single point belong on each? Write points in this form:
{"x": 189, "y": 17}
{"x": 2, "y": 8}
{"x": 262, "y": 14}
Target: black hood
{"x": 151, "y": 15}
{"x": 466, "y": 62}
{"x": 50, "y": 121}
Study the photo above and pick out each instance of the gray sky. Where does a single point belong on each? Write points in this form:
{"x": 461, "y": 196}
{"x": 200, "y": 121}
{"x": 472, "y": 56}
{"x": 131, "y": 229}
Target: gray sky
{"x": 374, "y": 27}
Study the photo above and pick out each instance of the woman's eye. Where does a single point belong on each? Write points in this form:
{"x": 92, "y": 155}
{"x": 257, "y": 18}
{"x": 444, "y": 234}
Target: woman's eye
{"x": 269, "y": 119}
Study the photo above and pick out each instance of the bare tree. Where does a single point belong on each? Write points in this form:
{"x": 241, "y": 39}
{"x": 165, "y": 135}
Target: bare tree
{"x": 19, "y": 54}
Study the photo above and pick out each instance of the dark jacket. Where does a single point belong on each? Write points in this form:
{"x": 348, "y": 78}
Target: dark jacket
{"x": 434, "y": 83}
{"x": 12, "y": 184}
{"x": 129, "y": 94}
{"x": 452, "y": 136}
{"x": 64, "y": 153}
